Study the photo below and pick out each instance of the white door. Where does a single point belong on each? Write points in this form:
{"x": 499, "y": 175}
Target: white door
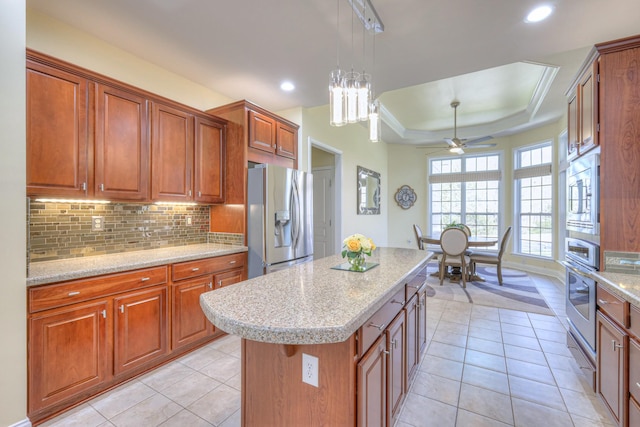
{"x": 323, "y": 211}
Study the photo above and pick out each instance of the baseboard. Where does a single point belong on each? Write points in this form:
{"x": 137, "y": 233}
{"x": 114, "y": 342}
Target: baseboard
{"x": 23, "y": 423}
{"x": 555, "y": 274}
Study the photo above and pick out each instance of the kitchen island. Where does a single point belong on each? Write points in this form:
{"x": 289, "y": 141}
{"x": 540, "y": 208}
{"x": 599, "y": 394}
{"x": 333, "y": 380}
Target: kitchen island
{"x": 351, "y": 322}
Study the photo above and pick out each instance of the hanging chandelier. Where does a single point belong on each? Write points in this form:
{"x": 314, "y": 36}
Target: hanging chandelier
{"x": 351, "y": 97}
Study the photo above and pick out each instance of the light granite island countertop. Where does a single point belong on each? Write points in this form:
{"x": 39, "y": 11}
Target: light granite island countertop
{"x": 311, "y": 303}
{"x": 44, "y": 272}
{"x": 626, "y": 286}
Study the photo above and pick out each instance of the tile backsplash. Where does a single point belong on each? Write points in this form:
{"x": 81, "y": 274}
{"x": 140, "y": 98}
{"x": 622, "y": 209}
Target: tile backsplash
{"x": 63, "y": 230}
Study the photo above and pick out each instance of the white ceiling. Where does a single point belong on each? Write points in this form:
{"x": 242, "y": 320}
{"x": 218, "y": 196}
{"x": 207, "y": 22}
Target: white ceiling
{"x": 430, "y": 53}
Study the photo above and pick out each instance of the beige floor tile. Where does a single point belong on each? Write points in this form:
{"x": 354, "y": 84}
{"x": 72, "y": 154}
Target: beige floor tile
{"x": 560, "y": 337}
{"x": 452, "y": 328}
{"x": 485, "y": 378}
{"x": 122, "y": 398}
{"x": 149, "y": 412}
{"x": 233, "y": 420}
{"x": 485, "y": 346}
{"x": 82, "y": 416}
{"x": 437, "y": 388}
{"x": 522, "y": 369}
{"x": 235, "y": 382}
{"x": 483, "y": 312}
{"x": 223, "y": 369}
{"x": 527, "y": 342}
{"x": 185, "y": 418}
{"x": 586, "y": 405}
{"x": 456, "y": 317}
{"x": 469, "y": 419}
{"x": 525, "y": 354}
{"x": 447, "y": 351}
{"x": 419, "y": 411}
{"x": 487, "y": 334}
{"x": 442, "y": 367}
{"x": 217, "y": 405}
{"x": 485, "y": 402}
{"x": 485, "y": 360}
{"x": 523, "y": 331}
{"x": 166, "y": 375}
{"x": 555, "y": 347}
{"x": 515, "y": 320}
{"x": 548, "y": 325}
{"x": 579, "y": 421}
{"x": 486, "y": 324}
{"x": 201, "y": 358}
{"x": 530, "y": 414}
{"x": 556, "y": 361}
{"x": 512, "y": 313}
{"x": 537, "y": 392}
{"x": 190, "y": 388}
{"x": 448, "y": 338}
{"x": 571, "y": 379}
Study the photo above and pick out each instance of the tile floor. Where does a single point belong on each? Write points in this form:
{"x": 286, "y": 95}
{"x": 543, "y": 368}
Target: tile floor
{"x": 483, "y": 367}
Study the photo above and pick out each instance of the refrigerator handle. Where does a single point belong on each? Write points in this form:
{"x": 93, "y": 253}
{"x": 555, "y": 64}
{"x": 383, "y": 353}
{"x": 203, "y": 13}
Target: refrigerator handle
{"x": 295, "y": 207}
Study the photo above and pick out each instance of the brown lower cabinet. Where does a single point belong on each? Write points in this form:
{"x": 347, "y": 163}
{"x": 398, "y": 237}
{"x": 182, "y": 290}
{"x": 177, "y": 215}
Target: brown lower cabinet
{"x": 86, "y": 336}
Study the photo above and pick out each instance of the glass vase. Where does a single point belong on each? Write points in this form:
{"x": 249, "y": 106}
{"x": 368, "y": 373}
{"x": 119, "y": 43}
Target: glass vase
{"x": 357, "y": 261}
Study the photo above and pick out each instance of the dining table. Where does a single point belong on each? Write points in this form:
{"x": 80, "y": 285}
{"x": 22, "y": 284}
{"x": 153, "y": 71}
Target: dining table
{"x": 473, "y": 242}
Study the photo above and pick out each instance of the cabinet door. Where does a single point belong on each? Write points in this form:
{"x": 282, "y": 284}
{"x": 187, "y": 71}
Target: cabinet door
{"x": 140, "y": 328}
{"x": 587, "y": 111}
{"x": 262, "y": 132}
{"x": 612, "y": 386}
{"x": 286, "y": 141}
{"x": 68, "y": 352}
{"x": 634, "y": 369}
{"x": 56, "y": 115}
{"x": 228, "y": 278}
{"x": 413, "y": 346}
{"x": 189, "y": 322}
{"x": 422, "y": 322}
{"x": 121, "y": 145}
{"x": 372, "y": 386}
{"x": 572, "y": 128}
{"x": 396, "y": 370}
{"x": 172, "y": 154}
{"x": 209, "y": 161}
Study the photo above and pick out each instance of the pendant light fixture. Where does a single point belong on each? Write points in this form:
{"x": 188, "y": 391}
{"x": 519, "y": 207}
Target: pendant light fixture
{"x": 337, "y": 99}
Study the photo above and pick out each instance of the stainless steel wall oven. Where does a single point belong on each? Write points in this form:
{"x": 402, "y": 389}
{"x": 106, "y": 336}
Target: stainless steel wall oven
{"x": 583, "y": 177}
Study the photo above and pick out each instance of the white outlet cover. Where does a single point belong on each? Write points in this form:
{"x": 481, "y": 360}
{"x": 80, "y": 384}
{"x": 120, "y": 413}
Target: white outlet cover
{"x": 310, "y": 369}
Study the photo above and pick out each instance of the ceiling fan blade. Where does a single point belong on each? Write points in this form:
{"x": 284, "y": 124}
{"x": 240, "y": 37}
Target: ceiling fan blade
{"x": 452, "y": 142}
{"x": 478, "y": 140}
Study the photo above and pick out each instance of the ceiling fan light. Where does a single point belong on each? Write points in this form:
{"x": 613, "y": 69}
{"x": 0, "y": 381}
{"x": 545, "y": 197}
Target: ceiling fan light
{"x": 456, "y": 150}
{"x": 538, "y": 14}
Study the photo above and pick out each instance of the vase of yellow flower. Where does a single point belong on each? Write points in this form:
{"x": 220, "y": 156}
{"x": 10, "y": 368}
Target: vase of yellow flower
{"x": 354, "y": 248}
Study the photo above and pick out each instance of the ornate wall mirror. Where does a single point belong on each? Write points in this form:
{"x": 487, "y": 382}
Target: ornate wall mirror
{"x": 368, "y": 192}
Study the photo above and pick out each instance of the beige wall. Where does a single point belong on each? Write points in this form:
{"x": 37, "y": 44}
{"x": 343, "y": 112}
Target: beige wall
{"x": 13, "y": 356}
{"x": 353, "y": 141}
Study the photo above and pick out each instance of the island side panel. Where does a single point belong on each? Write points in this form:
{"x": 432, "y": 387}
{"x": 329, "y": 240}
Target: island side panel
{"x": 273, "y": 393}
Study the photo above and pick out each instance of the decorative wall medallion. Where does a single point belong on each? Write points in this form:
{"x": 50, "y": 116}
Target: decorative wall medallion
{"x": 405, "y": 197}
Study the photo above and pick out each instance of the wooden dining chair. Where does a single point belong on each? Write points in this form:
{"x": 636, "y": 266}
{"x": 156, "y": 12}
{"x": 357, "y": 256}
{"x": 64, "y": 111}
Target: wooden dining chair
{"x": 454, "y": 242}
{"x": 492, "y": 257}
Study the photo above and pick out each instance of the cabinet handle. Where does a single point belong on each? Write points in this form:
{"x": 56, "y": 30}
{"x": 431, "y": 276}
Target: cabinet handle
{"x": 380, "y": 327}
{"x": 101, "y": 187}
{"x": 144, "y": 279}
{"x": 638, "y": 385}
{"x": 210, "y": 285}
{"x": 385, "y": 352}
{"x": 232, "y": 262}
{"x": 397, "y": 302}
{"x": 74, "y": 293}
{"x": 602, "y": 302}
{"x": 219, "y": 283}
{"x": 122, "y": 308}
{"x": 394, "y": 343}
{"x": 195, "y": 269}
{"x": 189, "y": 193}
{"x": 199, "y": 193}
{"x": 84, "y": 186}
{"x": 614, "y": 345}
{"x": 104, "y": 314}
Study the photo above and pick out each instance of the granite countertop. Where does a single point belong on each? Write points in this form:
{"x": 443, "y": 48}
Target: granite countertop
{"x": 626, "y": 286}
{"x": 76, "y": 268}
{"x": 311, "y": 303}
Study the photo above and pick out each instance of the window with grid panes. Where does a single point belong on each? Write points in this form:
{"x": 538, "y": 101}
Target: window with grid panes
{"x": 534, "y": 200}
{"x": 465, "y": 189}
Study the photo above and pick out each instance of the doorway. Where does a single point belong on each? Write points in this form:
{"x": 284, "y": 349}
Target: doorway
{"x": 325, "y": 164}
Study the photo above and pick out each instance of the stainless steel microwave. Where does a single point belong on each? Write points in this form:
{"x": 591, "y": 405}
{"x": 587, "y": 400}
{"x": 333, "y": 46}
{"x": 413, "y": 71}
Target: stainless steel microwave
{"x": 583, "y": 197}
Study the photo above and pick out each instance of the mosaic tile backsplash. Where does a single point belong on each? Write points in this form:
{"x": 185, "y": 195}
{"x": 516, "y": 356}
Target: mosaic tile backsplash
{"x": 63, "y": 230}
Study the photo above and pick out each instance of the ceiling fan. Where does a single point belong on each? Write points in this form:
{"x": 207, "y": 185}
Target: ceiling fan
{"x": 457, "y": 145}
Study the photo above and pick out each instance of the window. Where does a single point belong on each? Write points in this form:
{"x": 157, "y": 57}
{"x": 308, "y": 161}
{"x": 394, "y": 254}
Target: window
{"x": 465, "y": 190}
{"x": 534, "y": 200}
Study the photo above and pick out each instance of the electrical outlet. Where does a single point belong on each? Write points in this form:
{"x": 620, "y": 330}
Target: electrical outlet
{"x": 97, "y": 223}
{"x": 189, "y": 220}
{"x": 310, "y": 369}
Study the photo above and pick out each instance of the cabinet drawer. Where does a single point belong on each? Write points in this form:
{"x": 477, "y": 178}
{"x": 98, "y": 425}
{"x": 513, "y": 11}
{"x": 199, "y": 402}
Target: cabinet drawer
{"x": 377, "y": 323}
{"x": 185, "y": 270}
{"x": 634, "y": 321}
{"x": 50, "y": 296}
{"x": 415, "y": 283}
{"x": 614, "y": 306}
{"x": 634, "y": 369}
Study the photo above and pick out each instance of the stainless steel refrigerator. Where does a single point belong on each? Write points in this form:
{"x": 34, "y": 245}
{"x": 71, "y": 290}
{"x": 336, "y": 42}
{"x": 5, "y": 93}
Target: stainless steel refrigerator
{"x": 279, "y": 218}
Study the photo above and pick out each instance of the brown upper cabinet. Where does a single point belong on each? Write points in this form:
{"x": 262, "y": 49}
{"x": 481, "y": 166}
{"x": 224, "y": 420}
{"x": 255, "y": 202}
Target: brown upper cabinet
{"x": 583, "y": 119}
{"x": 89, "y": 136}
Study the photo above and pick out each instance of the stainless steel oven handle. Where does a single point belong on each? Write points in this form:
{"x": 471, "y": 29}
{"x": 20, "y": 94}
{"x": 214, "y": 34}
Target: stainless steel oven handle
{"x": 585, "y": 273}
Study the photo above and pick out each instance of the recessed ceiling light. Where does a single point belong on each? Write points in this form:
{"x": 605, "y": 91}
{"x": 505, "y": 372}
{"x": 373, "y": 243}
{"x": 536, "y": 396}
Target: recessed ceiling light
{"x": 538, "y": 14}
{"x": 287, "y": 86}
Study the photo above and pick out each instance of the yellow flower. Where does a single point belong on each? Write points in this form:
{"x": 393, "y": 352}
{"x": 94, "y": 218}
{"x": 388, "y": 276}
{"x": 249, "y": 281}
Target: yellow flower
{"x": 357, "y": 243}
{"x": 353, "y": 245}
